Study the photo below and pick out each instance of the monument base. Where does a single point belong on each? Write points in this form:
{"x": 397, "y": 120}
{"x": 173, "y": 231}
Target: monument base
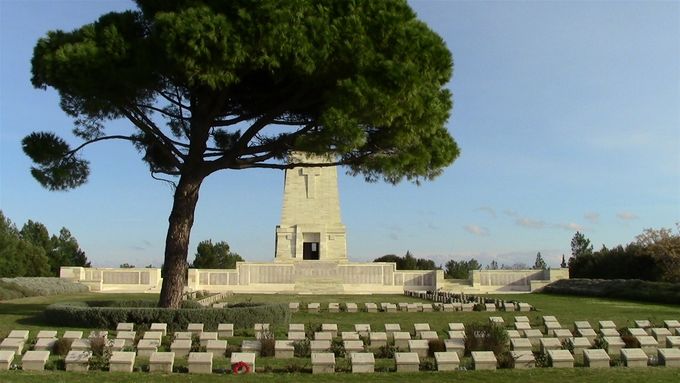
{"x": 316, "y": 277}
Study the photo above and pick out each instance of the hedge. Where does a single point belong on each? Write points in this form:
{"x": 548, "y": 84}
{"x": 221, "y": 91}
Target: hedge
{"x": 79, "y": 314}
{"x": 632, "y": 289}
{"x": 12, "y": 288}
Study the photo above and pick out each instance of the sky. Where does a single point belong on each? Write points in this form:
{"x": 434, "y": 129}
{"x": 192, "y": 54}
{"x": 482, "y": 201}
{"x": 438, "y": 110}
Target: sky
{"x": 567, "y": 115}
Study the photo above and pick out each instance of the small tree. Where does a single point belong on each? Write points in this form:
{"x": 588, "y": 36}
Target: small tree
{"x": 539, "y": 264}
{"x": 493, "y": 265}
{"x": 580, "y": 245}
{"x": 460, "y": 269}
{"x": 65, "y": 252}
{"x": 215, "y": 256}
{"x": 18, "y": 256}
{"x": 408, "y": 262}
{"x": 664, "y": 247}
{"x": 564, "y": 262}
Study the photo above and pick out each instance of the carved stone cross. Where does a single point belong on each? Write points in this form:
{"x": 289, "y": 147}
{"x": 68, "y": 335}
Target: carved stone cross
{"x": 310, "y": 180}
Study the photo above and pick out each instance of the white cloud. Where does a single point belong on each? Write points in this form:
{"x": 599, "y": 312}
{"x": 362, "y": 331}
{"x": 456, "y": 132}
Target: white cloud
{"x": 487, "y": 209}
{"x": 476, "y": 230}
{"x": 510, "y": 213}
{"x": 592, "y": 217}
{"x": 626, "y": 216}
{"x": 530, "y": 223}
{"x": 570, "y": 226}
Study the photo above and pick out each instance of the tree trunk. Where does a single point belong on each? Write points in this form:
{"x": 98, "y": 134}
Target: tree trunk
{"x": 177, "y": 241}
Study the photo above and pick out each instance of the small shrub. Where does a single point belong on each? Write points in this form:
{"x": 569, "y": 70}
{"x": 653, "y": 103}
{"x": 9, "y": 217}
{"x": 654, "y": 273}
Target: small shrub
{"x": 428, "y": 364}
{"x": 343, "y": 365}
{"x": 268, "y": 344}
{"x": 311, "y": 328}
{"x": 599, "y": 342}
{"x": 62, "y": 346}
{"x": 435, "y": 345}
{"x": 302, "y": 348}
{"x": 101, "y": 361}
{"x": 365, "y": 339}
{"x": 566, "y": 345}
{"x": 505, "y": 360}
{"x": 386, "y": 352}
{"x": 338, "y": 348}
{"x": 486, "y": 337}
{"x": 98, "y": 345}
{"x": 51, "y": 364}
{"x": 541, "y": 360}
{"x": 195, "y": 343}
{"x": 166, "y": 342}
{"x": 180, "y": 369}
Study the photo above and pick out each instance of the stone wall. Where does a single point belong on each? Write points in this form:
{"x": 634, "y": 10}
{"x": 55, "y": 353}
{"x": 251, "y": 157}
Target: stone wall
{"x": 312, "y": 276}
{"x": 115, "y": 279}
{"x": 317, "y": 277}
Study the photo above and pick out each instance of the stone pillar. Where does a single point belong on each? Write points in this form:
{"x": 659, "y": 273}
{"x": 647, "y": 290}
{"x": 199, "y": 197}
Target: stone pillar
{"x": 311, "y": 212}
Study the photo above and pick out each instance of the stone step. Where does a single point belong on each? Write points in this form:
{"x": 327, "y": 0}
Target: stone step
{"x": 329, "y": 287}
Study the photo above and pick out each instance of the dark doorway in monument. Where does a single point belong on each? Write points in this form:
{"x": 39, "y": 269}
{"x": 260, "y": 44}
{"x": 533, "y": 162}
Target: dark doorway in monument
{"x": 310, "y": 250}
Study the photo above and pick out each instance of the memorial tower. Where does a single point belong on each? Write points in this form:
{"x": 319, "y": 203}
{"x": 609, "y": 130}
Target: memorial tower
{"x": 310, "y": 228}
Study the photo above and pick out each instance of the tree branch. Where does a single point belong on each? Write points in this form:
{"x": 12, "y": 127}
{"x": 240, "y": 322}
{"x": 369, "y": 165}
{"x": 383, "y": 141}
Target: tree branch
{"x": 291, "y": 165}
{"x": 171, "y": 182}
{"x": 290, "y": 123}
{"x": 145, "y": 124}
{"x": 233, "y": 121}
{"x": 114, "y": 137}
{"x": 171, "y": 100}
{"x": 159, "y": 110}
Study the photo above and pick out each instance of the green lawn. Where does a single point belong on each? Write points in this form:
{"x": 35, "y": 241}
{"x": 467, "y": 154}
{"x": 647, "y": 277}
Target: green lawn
{"x": 576, "y": 375}
{"x": 26, "y": 313}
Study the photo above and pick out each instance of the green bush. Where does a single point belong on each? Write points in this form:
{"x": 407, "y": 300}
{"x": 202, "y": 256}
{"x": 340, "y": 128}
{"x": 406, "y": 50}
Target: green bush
{"x": 427, "y": 364}
{"x": 79, "y": 314}
{"x": 61, "y": 346}
{"x": 386, "y": 352}
{"x": 12, "y": 288}
{"x": 486, "y": 337}
{"x": 338, "y": 348}
{"x": 632, "y": 289}
{"x": 302, "y": 348}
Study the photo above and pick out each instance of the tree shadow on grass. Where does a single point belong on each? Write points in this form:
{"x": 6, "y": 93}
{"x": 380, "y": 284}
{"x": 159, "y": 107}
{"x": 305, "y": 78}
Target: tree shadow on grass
{"x": 33, "y": 314}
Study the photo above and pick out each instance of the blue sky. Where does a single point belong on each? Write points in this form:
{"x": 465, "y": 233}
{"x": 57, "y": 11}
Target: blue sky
{"x": 567, "y": 114}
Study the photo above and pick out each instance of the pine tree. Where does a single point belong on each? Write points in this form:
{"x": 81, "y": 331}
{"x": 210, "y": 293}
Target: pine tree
{"x": 540, "y": 264}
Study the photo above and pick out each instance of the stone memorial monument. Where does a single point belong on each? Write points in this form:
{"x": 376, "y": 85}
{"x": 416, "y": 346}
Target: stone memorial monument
{"x": 310, "y": 255}
{"x": 311, "y": 228}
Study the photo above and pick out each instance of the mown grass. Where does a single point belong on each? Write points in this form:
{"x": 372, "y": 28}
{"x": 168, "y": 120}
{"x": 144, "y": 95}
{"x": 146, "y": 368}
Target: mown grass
{"x": 577, "y": 375}
{"x": 26, "y": 313}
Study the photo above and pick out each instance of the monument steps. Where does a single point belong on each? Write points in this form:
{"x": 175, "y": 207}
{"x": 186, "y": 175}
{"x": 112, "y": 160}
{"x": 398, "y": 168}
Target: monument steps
{"x": 319, "y": 286}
